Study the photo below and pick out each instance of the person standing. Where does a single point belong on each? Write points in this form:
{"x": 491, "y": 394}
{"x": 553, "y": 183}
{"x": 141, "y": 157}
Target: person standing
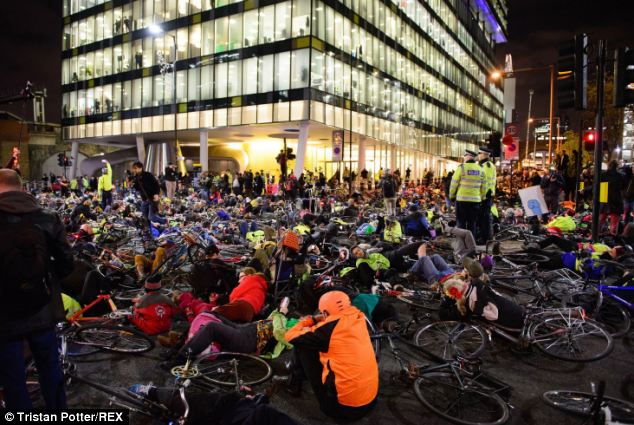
{"x": 614, "y": 206}
{"x": 552, "y": 184}
{"x": 35, "y": 254}
{"x": 14, "y": 162}
{"x": 148, "y": 187}
{"x": 104, "y": 184}
{"x": 628, "y": 194}
{"x": 484, "y": 223}
{"x": 170, "y": 180}
{"x": 468, "y": 189}
{"x": 388, "y": 187}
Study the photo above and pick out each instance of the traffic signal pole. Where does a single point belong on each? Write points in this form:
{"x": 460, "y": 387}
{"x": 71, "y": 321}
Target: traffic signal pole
{"x": 598, "y": 145}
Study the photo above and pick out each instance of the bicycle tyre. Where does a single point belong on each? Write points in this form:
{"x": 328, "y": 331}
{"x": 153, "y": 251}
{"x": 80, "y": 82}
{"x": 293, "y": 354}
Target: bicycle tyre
{"x": 560, "y": 288}
{"x": 580, "y": 403}
{"x": 427, "y": 300}
{"x": 460, "y": 400}
{"x": 114, "y": 338}
{"x": 217, "y": 369}
{"x": 614, "y": 317}
{"x": 541, "y": 334}
{"x": 448, "y": 339}
{"x": 523, "y": 258}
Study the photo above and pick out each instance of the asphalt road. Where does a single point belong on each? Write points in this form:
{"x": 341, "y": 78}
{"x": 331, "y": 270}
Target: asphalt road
{"x": 528, "y": 373}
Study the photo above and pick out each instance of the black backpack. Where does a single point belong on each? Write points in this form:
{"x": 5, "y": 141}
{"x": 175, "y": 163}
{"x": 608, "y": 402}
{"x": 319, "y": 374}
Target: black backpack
{"x": 24, "y": 265}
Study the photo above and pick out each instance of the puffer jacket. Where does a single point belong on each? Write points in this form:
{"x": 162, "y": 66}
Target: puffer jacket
{"x": 21, "y": 203}
{"x": 252, "y": 289}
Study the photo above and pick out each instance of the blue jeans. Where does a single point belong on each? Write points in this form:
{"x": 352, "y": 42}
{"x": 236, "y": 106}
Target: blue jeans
{"x": 149, "y": 212}
{"x": 44, "y": 347}
{"x": 432, "y": 268}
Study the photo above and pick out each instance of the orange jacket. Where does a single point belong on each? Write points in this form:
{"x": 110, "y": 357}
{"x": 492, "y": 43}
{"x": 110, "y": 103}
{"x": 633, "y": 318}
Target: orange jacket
{"x": 345, "y": 352}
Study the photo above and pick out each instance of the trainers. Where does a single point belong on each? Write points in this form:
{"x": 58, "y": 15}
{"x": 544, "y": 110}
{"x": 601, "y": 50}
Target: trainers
{"x": 141, "y": 389}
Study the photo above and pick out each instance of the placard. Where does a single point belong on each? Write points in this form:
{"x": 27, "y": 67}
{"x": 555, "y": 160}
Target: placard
{"x": 533, "y": 201}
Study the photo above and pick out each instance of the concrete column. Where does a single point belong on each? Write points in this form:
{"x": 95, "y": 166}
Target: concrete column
{"x": 204, "y": 150}
{"x": 74, "y": 154}
{"x": 140, "y": 148}
{"x": 392, "y": 158}
{"x": 361, "y": 154}
{"x": 302, "y": 142}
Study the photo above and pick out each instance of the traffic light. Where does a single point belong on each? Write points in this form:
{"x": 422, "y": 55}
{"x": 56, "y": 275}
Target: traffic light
{"x": 623, "y": 77}
{"x": 572, "y": 74}
{"x": 494, "y": 144}
{"x": 67, "y": 162}
{"x": 60, "y": 159}
{"x": 589, "y": 140}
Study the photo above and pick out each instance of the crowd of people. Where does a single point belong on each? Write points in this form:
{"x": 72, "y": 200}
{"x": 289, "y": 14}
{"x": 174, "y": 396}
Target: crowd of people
{"x": 329, "y": 338}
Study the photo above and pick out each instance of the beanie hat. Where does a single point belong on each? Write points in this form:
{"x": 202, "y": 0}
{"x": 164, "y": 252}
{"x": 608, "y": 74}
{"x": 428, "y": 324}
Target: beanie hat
{"x": 474, "y": 268}
{"x": 153, "y": 282}
{"x": 454, "y": 288}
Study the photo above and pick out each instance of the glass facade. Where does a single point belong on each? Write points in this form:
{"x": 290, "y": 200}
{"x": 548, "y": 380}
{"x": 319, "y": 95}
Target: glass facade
{"x": 406, "y": 72}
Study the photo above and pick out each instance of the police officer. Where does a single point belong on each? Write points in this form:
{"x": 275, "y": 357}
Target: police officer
{"x": 484, "y": 223}
{"x": 468, "y": 188}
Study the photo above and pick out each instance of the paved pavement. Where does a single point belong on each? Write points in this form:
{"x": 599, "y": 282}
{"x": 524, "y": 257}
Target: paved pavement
{"x": 529, "y": 374}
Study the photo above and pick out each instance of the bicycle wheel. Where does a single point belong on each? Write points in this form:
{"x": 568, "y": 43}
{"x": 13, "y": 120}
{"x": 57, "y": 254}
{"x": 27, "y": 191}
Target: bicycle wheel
{"x": 614, "y": 317}
{"x": 560, "y": 288}
{"x": 115, "y": 338}
{"x": 526, "y": 258}
{"x": 230, "y": 369}
{"x": 421, "y": 299}
{"x": 580, "y": 403}
{"x": 571, "y": 338}
{"x": 449, "y": 339}
{"x": 459, "y": 399}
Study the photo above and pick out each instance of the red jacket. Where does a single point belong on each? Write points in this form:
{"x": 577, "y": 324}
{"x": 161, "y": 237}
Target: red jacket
{"x": 193, "y": 306}
{"x": 153, "y": 314}
{"x": 252, "y": 289}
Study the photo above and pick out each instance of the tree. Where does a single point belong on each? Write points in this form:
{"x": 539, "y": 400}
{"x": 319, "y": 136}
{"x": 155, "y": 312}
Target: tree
{"x": 613, "y": 117}
{"x": 572, "y": 144}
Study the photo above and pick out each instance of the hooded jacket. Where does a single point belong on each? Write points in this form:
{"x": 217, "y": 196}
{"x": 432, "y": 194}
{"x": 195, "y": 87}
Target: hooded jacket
{"x": 349, "y": 367}
{"x": 252, "y": 289}
{"x": 22, "y": 204}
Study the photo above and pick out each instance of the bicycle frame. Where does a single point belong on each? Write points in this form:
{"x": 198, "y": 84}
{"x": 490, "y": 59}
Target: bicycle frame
{"x": 102, "y": 297}
{"x": 607, "y": 290}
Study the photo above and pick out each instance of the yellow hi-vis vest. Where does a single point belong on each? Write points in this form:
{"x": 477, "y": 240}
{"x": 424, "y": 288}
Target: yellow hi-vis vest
{"x": 468, "y": 184}
{"x": 489, "y": 176}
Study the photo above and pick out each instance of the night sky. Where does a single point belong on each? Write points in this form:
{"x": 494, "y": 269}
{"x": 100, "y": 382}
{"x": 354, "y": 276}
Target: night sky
{"x": 30, "y": 42}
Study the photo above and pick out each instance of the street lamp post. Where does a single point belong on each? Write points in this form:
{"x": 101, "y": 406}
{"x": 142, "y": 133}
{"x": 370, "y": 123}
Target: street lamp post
{"x": 496, "y": 75}
{"x": 165, "y": 67}
{"x": 528, "y": 123}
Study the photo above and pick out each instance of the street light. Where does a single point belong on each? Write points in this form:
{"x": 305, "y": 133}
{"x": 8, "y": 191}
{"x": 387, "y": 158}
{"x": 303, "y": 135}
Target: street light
{"x": 497, "y": 74}
{"x": 165, "y": 67}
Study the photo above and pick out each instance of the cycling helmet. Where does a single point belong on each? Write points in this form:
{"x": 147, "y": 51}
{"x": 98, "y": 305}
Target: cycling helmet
{"x": 334, "y": 302}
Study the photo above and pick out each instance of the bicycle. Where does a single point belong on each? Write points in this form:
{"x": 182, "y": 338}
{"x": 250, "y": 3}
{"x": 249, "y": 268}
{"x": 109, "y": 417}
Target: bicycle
{"x": 564, "y": 333}
{"x": 595, "y": 405}
{"x": 105, "y": 332}
{"x": 456, "y": 390}
{"x": 226, "y": 369}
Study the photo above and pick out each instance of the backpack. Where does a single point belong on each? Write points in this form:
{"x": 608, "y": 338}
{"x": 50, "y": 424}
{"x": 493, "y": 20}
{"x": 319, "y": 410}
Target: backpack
{"x": 24, "y": 261}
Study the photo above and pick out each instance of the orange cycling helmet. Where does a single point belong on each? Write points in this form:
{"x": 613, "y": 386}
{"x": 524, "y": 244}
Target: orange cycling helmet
{"x": 334, "y": 302}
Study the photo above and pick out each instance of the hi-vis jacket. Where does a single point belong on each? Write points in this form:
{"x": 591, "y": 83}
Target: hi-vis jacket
{"x": 345, "y": 351}
{"x": 468, "y": 183}
{"x": 489, "y": 176}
